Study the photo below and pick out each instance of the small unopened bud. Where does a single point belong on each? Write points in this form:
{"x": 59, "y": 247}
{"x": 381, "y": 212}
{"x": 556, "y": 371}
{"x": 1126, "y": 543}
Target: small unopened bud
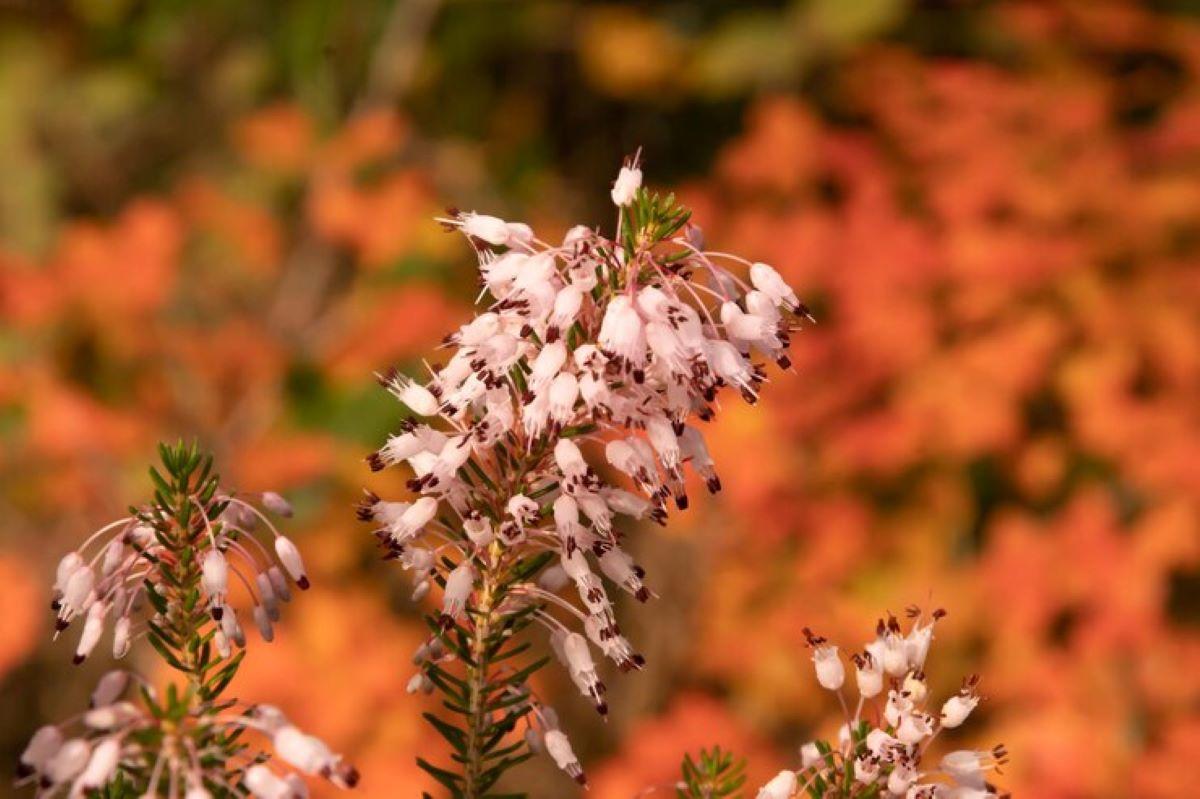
{"x": 553, "y": 579}
{"x": 110, "y": 687}
{"x": 221, "y": 641}
{"x": 78, "y": 589}
{"x": 277, "y": 504}
{"x": 100, "y": 766}
{"x": 233, "y": 628}
{"x": 112, "y": 716}
{"x": 44, "y": 744}
{"x": 70, "y": 563}
{"x": 280, "y": 584}
{"x": 68, "y": 761}
{"x": 267, "y": 593}
{"x": 114, "y": 553}
{"x": 122, "y": 637}
{"x": 263, "y": 621}
{"x": 519, "y": 233}
{"x": 569, "y": 458}
{"x": 414, "y": 683}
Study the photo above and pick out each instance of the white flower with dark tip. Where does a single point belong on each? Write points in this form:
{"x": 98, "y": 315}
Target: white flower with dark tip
{"x": 958, "y": 707}
{"x": 559, "y": 749}
{"x": 831, "y": 673}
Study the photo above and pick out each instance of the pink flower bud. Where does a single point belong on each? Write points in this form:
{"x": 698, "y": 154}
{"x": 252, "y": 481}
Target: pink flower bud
{"x": 70, "y": 563}
{"x": 277, "y": 504}
{"x": 110, "y": 687}
{"x": 68, "y": 761}
{"x": 263, "y": 621}
{"x": 101, "y": 766}
{"x": 78, "y": 589}
{"x": 122, "y": 637}
{"x": 44, "y": 744}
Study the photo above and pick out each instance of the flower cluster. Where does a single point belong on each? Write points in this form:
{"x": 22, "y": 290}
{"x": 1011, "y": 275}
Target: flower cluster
{"x": 567, "y": 403}
{"x": 880, "y": 748}
{"x": 163, "y": 573}
{"x": 186, "y": 752}
{"x": 123, "y": 573}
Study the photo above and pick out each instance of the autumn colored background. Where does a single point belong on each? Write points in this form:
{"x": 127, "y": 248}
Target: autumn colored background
{"x": 215, "y": 221}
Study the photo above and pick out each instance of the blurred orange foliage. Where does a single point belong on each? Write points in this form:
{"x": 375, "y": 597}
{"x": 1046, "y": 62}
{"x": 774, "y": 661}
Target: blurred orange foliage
{"x": 998, "y": 410}
{"x": 21, "y": 598}
{"x": 1008, "y": 319}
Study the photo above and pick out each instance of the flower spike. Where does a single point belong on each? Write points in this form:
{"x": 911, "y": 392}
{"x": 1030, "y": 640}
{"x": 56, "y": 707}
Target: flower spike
{"x": 165, "y": 571}
{"x": 601, "y": 348}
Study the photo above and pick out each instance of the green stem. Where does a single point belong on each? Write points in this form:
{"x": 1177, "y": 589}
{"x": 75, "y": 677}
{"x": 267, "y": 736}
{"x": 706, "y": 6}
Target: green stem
{"x": 477, "y": 681}
{"x": 188, "y": 626}
{"x": 479, "y": 677}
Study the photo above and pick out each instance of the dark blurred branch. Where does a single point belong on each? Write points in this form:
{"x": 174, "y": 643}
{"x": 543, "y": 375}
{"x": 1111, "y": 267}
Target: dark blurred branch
{"x": 312, "y": 268}
{"x": 398, "y": 53}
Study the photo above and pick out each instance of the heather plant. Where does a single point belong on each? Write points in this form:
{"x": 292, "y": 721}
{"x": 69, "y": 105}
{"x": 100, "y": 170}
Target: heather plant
{"x": 163, "y": 573}
{"x": 881, "y": 747}
{"x": 569, "y": 401}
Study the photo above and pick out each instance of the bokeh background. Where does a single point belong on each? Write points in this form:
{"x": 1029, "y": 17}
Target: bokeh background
{"x": 215, "y": 221}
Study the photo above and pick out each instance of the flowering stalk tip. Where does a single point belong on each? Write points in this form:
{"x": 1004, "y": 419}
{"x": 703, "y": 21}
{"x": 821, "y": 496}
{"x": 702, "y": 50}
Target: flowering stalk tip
{"x": 163, "y": 573}
{"x": 882, "y": 749}
{"x": 568, "y": 402}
